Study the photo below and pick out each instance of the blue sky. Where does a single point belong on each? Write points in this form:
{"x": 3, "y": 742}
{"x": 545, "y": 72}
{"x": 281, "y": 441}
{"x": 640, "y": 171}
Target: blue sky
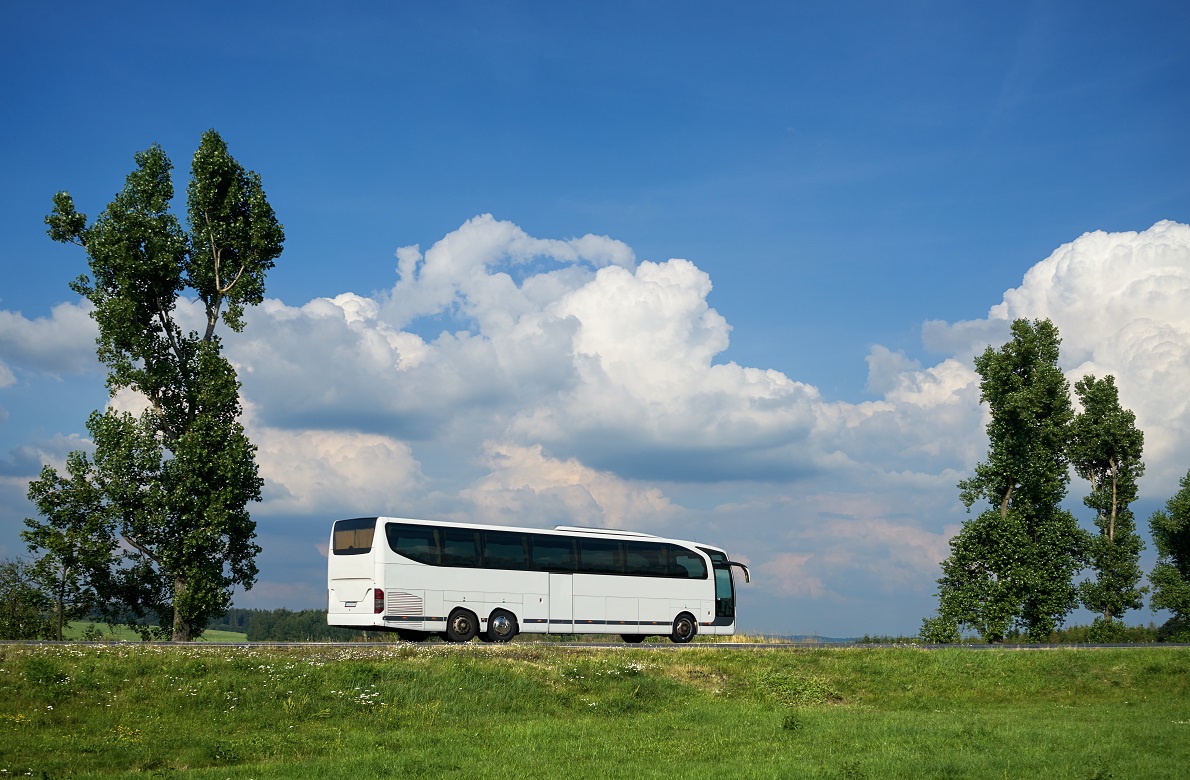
{"x": 836, "y": 175}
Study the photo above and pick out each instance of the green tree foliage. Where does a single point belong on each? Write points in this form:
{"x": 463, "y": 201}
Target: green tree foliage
{"x": 1013, "y": 564}
{"x": 176, "y": 480}
{"x": 23, "y": 603}
{"x": 1105, "y": 449}
{"x": 76, "y": 539}
{"x": 1171, "y": 575}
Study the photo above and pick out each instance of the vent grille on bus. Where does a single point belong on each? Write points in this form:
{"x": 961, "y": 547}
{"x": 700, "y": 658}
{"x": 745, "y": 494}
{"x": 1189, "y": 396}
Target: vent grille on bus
{"x": 402, "y": 604}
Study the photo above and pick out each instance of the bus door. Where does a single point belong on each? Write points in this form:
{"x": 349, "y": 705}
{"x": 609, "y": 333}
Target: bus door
{"x": 561, "y": 603}
{"x": 724, "y": 586}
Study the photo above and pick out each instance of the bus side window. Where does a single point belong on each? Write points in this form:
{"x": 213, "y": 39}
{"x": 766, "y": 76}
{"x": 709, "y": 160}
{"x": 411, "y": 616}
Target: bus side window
{"x": 686, "y": 563}
{"x": 504, "y": 550}
{"x": 460, "y": 547}
{"x": 553, "y": 553}
{"x": 415, "y": 542}
{"x": 600, "y": 556}
{"x": 645, "y": 559}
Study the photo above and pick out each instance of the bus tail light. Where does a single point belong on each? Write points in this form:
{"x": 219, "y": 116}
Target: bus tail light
{"x": 377, "y": 601}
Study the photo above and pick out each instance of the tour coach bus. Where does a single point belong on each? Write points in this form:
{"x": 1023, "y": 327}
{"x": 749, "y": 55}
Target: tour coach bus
{"x": 461, "y": 580}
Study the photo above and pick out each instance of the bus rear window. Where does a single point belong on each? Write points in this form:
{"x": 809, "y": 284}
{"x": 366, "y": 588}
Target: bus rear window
{"x": 354, "y": 537}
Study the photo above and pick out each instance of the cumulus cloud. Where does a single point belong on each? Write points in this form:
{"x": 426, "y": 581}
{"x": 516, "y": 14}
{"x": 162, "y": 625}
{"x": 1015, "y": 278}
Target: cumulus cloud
{"x": 649, "y": 400}
{"x": 526, "y": 487}
{"x": 474, "y": 269}
{"x": 584, "y": 353}
{"x": 311, "y": 471}
{"x": 62, "y": 343}
{"x": 334, "y": 473}
{"x": 1119, "y": 301}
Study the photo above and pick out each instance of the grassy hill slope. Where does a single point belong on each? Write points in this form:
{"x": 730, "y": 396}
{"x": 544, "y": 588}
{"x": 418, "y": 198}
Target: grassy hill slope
{"x": 535, "y": 711}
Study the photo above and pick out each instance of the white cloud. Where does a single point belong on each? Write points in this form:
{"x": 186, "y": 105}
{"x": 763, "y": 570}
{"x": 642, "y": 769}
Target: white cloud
{"x": 524, "y": 487}
{"x": 1119, "y": 301}
{"x": 885, "y": 368}
{"x": 62, "y": 343}
{"x": 311, "y": 471}
{"x": 334, "y": 473}
{"x": 471, "y": 268}
{"x": 613, "y": 366}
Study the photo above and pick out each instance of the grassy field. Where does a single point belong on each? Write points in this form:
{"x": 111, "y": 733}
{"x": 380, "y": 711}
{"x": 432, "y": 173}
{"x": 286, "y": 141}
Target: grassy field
{"x": 535, "y": 711}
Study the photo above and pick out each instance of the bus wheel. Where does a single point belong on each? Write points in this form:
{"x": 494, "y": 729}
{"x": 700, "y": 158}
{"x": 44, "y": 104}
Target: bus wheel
{"x": 501, "y": 626}
{"x": 633, "y": 639}
{"x": 461, "y": 626}
{"x": 685, "y": 627}
{"x": 413, "y": 635}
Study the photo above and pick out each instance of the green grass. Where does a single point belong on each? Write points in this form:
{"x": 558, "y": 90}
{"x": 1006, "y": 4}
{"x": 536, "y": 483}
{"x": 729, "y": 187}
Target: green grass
{"x": 535, "y": 711}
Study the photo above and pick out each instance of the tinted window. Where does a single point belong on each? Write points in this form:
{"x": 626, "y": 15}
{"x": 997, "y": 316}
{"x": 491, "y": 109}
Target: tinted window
{"x": 415, "y": 542}
{"x": 553, "y": 553}
{"x": 467, "y": 548}
{"x": 600, "y": 556}
{"x": 686, "y": 563}
{"x": 504, "y": 550}
{"x": 354, "y": 537}
{"x": 460, "y": 547}
{"x": 646, "y": 559}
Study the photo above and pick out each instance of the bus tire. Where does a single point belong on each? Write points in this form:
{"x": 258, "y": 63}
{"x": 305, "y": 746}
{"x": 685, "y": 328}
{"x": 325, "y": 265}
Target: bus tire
{"x": 461, "y": 626}
{"x": 685, "y": 627}
{"x": 633, "y": 639}
{"x": 502, "y": 626}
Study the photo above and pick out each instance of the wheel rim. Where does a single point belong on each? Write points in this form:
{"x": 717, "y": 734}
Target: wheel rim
{"x": 500, "y": 626}
{"x": 461, "y": 625}
{"x": 684, "y": 630}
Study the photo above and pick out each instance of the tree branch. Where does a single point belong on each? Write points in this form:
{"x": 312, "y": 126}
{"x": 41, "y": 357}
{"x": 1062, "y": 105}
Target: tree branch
{"x": 216, "y": 304}
{"x": 132, "y": 542}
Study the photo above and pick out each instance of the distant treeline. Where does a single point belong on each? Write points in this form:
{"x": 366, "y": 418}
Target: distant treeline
{"x": 283, "y": 625}
{"x": 1174, "y": 630}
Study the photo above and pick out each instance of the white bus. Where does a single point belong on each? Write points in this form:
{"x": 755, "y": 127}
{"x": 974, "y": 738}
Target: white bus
{"x": 461, "y": 581}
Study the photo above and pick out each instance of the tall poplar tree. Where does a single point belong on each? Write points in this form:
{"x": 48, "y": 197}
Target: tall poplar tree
{"x": 1105, "y": 450}
{"x": 1012, "y": 565}
{"x": 176, "y": 481}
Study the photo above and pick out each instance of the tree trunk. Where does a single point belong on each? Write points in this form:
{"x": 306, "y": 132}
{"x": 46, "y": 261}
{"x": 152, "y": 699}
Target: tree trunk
{"x": 1115, "y": 481}
{"x": 1004, "y": 503}
{"x": 181, "y": 632}
{"x": 61, "y": 600}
